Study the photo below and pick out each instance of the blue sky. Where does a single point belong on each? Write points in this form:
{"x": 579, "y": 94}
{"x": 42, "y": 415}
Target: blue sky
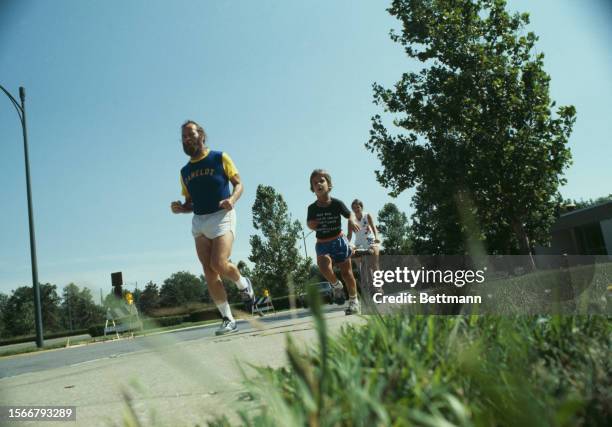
{"x": 282, "y": 86}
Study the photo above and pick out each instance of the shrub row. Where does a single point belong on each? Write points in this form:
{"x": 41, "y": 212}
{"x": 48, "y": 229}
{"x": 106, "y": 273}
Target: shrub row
{"x": 97, "y": 330}
{"x": 162, "y": 322}
{"x": 30, "y": 338}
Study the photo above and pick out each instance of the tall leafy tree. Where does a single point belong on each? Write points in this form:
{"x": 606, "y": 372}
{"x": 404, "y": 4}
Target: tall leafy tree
{"x": 18, "y": 312}
{"x": 3, "y": 304}
{"x": 181, "y": 288}
{"x": 275, "y": 252}
{"x": 78, "y": 309}
{"x": 474, "y": 128}
{"x": 394, "y": 227}
{"x": 149, "y": 298}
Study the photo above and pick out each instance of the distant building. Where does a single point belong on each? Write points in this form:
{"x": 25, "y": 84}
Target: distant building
{"x": 586, "y": 231}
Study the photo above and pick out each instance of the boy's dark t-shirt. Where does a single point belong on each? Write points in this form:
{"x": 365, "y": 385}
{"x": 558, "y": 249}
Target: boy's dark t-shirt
{"x": 330, "y": 224}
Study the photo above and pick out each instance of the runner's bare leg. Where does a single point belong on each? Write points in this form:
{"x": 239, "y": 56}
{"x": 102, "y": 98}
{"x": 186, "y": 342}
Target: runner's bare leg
{"x": 221, "y": 251}
{"x": 346, "y": 268}
{"x": 325, "y": 266}
{"x": 204, "y": 248}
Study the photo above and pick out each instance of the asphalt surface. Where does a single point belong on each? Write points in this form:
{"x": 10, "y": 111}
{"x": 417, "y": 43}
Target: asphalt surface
{"x": 41, "y": 361}
{"x": 180, "y": 378}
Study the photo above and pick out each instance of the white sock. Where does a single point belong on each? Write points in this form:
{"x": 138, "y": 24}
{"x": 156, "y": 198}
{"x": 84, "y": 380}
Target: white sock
{"x": 337, "y": 284}
{"x": 225, "y": 311}
{"x": 354, "y": 298}
{"x": 242, "y": 283}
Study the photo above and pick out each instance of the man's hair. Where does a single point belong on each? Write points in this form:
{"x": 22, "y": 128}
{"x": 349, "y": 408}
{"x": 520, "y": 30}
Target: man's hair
{"x": 198, "y": 127}
{"x": 324, "y": 174}
{"x": 357, "y": 202}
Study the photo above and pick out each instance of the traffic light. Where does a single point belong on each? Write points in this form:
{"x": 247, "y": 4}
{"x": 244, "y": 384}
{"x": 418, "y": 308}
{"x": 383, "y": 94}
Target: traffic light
{"x": 117, "y": 282}
{"x": 129, "y": 298}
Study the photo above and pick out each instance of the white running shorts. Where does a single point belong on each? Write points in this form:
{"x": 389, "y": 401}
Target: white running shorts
{"x": 364, "y": 242}
{"x": 214, "y": 225}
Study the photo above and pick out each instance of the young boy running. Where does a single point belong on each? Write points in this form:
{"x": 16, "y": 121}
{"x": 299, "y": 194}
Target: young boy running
{"x": 332, "y": 246}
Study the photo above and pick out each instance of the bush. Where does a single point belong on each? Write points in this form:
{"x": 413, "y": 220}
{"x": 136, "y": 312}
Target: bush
{"x": 200, "y": 316}
{"x": 181, "y": 310}
{"x": 161, "y": 322}
{"x": 96, "y": 330}
{"x": 282, "y": 303}
{"x": 30, "y": 338}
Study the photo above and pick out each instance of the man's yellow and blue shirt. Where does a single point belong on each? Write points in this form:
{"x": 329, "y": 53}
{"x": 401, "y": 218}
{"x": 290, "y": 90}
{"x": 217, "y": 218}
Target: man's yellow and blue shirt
{"x": 206, "y": 180}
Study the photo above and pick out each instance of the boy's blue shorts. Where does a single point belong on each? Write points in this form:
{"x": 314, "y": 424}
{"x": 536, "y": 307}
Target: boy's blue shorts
{"x": 338, "y": 249}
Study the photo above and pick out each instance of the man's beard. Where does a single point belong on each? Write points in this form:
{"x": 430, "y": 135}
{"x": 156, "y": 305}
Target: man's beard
{"x": 191, "y": 150}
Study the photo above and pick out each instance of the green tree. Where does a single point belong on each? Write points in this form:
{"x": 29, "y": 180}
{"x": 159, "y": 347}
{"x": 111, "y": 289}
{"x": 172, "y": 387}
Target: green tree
{"x": 78, "y": 309}
{"x": 275, "y": 253}
{"x": 476, "y": 135}
{"x": 18, "y": 313}
{"x": 394, "y": 227}
{"x": 149, "y": 299}
{"x": 581, "y": 204}
{"x": 3, "y": 304}
{"x": 181, "y": 288}
{"x": 136, "y": 294}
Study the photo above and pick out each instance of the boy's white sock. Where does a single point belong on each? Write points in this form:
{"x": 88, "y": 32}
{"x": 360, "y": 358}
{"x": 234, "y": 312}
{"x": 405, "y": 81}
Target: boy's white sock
{"x": 225, "y": 311}
{"x": 338, "y": 284}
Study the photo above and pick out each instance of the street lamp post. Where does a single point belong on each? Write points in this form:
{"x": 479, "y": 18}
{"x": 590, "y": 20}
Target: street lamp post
{"x": 304, "y": 240}
{"x": 22, "y": 117}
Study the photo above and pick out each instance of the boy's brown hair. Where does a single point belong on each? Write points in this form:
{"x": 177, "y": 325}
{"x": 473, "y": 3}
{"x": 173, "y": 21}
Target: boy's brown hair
{"x": 324, "y": 174}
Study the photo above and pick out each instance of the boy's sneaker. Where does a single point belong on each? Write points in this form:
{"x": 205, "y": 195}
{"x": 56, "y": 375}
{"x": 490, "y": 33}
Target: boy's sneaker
{"x": 354, "y": 307}
{"x": 227, "y": 327}
{"x": 247, "y": 294}
{"x": 338, "y": 293}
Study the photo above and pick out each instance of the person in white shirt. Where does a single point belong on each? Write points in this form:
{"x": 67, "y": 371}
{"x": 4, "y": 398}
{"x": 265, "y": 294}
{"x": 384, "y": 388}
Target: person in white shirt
{"x": 366, "y": 238}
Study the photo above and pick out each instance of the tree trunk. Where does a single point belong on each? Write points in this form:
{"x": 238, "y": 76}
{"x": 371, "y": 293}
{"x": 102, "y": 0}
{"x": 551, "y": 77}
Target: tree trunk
{"x": 523, "y": 240}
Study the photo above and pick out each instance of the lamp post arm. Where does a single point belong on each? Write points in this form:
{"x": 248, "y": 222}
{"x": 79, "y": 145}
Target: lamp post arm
{"x": 14, "y": 102}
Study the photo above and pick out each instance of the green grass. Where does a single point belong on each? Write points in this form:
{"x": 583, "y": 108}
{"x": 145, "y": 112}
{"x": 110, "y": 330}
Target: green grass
{"x": 443, "y": 371}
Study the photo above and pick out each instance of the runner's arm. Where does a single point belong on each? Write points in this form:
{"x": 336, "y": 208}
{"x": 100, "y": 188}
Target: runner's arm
{"x": 311, "y": 219}
{"x": 352, "y": 223}
{"x": 345, "y": 212}
{"x": 374, "y": 229}
{"x": 178, "y": 207}
{"x": 237, "y": 190}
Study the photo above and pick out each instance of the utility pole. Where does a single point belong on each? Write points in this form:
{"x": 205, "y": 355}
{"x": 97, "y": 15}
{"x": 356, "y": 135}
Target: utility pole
{"x": 304, "y": 240}
{"x": 37, "y": 307}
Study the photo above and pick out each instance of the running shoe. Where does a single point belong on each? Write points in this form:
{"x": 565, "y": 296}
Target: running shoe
{"x": 227, "y": 327}
{"x": 353, "y": 308}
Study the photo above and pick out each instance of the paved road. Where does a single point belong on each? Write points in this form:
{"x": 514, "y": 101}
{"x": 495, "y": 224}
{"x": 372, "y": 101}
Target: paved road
{"x": 173, "y": 379}
{"x": 41, "y": 361}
